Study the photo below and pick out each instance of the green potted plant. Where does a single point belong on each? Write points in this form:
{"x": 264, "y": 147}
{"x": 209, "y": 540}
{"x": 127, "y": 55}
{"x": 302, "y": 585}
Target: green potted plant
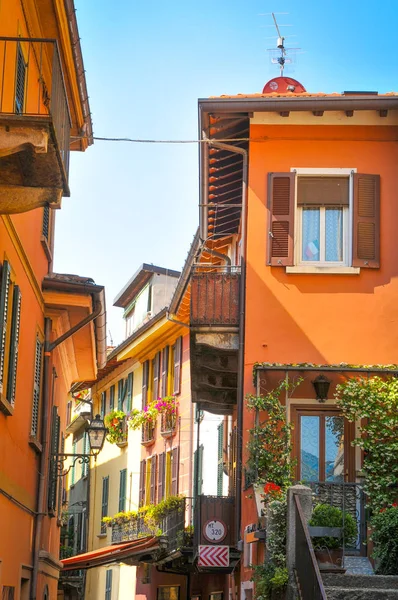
{"x": 329, "y": 527}
{"x": 385, "y": 539}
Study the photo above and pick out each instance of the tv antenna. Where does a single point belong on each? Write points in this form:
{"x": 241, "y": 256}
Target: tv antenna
{"x": 279, "y": 56}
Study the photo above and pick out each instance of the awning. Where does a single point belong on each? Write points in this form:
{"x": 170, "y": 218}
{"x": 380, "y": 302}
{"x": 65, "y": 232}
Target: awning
{"x": 110, "y": 554}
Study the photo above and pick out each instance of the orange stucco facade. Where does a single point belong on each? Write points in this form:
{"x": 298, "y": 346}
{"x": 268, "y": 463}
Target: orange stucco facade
{"x": 29, "y": 542}
{"x": 317, "y": 317}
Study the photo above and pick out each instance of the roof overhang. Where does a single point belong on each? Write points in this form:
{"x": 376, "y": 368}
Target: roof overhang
{"x": 138, "y": 281}
{"x": 68, "y": 300}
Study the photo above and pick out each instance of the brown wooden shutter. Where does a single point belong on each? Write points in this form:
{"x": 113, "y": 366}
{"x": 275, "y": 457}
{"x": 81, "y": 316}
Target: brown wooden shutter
{"x": 281, "y": 219}
{"x": 5, "y": 285}
{"x": 366, "y": 221}
{"x": 155, "y": 372}
{"x": 153, "y": 480}
{"x": 175, "y": 464}
{"x": 165, "y": 371}
{"x": 145, "y": 378}
{"x": 161, "y": 474}
{"x": 13, "y": 361}
{"x": 177, "y": 366}
{"x": 141, "y": 498}
{"x": 233, "y": 450}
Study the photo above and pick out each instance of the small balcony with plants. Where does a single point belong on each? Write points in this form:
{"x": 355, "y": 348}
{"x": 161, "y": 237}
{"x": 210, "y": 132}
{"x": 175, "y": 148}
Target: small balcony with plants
{"x": 35, "y": 125}
{"x": 166, "y": 408}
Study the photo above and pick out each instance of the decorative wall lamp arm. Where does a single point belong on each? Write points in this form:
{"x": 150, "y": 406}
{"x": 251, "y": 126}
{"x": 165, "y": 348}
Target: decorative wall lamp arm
{"x": 96, "y": 435}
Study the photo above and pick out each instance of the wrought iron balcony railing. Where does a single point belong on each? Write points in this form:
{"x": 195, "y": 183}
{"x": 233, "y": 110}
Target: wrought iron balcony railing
{"x": 148, "y": 434}
{"x": 168, "y": 424}
{"x": 215, "y": 298}
{"x": 32, "y": 85}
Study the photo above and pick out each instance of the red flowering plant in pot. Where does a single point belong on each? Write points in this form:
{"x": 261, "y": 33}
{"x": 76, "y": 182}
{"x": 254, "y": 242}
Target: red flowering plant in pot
{"x": 115, "y": 422}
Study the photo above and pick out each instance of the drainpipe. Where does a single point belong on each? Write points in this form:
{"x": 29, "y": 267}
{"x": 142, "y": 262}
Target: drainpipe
{"x": 45, "y": 433}
{"x": 241, "y": 355}
{"x": 43, "y": 457}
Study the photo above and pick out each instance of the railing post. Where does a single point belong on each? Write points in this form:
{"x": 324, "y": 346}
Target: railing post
{"x": 305, "y": 494}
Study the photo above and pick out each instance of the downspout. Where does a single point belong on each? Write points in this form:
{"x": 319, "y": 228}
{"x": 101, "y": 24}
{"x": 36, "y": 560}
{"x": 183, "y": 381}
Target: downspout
{"x": 44, "y": 457}
{"x": 241, "y": 355}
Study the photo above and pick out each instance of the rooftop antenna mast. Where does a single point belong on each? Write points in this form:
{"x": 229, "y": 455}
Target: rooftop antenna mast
{"x": 280, "y": 44}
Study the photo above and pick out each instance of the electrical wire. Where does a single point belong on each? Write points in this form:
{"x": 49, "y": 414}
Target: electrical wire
{"x": 149, "y": 141}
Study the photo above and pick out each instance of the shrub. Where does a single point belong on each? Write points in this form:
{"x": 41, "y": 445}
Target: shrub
{"x": 385, "y": 538}
{"x": 114, "y": 422}
{"x": 325, "y": 515}
{"x": 269, "y": 578}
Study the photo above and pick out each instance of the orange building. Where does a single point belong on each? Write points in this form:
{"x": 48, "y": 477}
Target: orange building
{"x": 52, "y": 325}
{"x": 294, "y": 278}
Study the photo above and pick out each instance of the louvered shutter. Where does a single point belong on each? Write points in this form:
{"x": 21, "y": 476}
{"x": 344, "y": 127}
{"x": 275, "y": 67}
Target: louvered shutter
{"x": 112, "y": 397}
{"x": 103, "y": 404}
{"x": 175, "y": 467}
{"x": 142, "y": 483}
{"x": 4, "y": 301}
{"x": 165, "y": 371}
{"x": 366, "y": 221}
{"x": 104, "y": 502}
{"x": 61, "y": 481}
{"x": 281, "y": 219}
{"x": 198, "y": 471}
{"x": 233, "y": 461}
{"x": 220, "y": 464}
{"x": 108, "y": 585}
{"x": 152, "y": 498}
{"x": 86, "y": 450}
{"x": 145, "y": 378}
{"x": 122, "y": 490}
{"x": 120, "y": 394}
{"x": 177, "y": 366}
{"x": 13, "y": 362}
{"x": 53, "y": 473}
{"x": 37, "y": 388}
{"x": 73, "y": 470}
{"x": 46, "y": 222}
{"x": 129, "y": 392}
{"x": 155, "y": 371}
{"x": 161, "y": 475}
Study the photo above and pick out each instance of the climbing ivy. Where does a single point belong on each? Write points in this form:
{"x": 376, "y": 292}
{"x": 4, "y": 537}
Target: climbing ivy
{"x": 373, "y": 402}
{"x": 269, "y": 445}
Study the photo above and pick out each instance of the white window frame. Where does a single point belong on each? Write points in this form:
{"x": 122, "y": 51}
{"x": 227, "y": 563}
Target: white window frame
{"x": 345, "y": 266}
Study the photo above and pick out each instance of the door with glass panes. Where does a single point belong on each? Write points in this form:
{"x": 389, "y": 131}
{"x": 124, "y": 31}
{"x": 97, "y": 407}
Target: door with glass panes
{"x": 321, "y": 445}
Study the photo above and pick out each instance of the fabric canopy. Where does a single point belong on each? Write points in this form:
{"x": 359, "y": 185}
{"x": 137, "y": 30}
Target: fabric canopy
{"x": 110, "y": 554}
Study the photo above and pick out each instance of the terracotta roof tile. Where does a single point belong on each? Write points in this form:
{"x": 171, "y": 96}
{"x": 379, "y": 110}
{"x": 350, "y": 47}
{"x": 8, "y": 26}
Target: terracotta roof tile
{"x": 301, "y": 95}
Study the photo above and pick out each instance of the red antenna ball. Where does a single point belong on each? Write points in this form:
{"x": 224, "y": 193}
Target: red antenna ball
{"x": 283, "y": 85}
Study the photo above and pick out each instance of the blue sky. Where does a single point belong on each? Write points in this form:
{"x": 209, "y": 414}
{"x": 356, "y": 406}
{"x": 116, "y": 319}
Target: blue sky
{"x": 146, "y": 65}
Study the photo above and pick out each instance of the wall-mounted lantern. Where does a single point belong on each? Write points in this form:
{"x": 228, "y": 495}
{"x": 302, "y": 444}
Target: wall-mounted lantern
{"x": 321, "y": 386}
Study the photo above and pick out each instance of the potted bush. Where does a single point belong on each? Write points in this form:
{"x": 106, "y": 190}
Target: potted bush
{"x": 385, "y": 539}
{"x": 329, "y": 527}
{"x": 115, "y": 421}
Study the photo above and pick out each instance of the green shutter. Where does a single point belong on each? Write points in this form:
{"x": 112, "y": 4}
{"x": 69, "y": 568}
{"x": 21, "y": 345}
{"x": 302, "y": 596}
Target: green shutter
{"x": 198, "y": 471}
{"x": 104, "y": 503}
{"x": 108, "y": 585}
{"x": 73, "y": 471}
{"x": 4, "y": 300}
{"x": 122, "y": 490}
{"x": 112, "y": 397}
{"x": 103, "y": 404}
{"x": 220, "y": 464}
{"x": 86, "y": 450}
{"x": 53, "y": 472}
{"x": 130, "y": 379}
{"x": 145, "y": 381}
{"x": 36, "y": 388}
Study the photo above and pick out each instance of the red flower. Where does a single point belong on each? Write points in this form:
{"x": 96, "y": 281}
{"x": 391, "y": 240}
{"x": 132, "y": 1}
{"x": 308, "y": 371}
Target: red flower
{"x": 271, "y": 488}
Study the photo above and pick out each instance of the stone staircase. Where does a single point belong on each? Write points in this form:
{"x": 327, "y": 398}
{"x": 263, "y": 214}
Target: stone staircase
{"x": 360, "y": 587}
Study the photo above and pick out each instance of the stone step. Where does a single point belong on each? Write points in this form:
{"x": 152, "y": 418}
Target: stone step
{"x": 340, "y": 593}
{"x": 379, "y": 582}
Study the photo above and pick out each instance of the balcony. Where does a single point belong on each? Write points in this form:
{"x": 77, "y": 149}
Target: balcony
{"x": 35, "y": 125}
{"x": 168, "y": 424}
{"x": 148, "y": 434}
{"x": 78, "y": 417}
{"x": 215, "y": 298}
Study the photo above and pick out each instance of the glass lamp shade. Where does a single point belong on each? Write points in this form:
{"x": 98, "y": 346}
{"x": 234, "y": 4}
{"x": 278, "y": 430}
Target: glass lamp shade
{"x": 96, "y": 433}
{"x": 321, "y": 386}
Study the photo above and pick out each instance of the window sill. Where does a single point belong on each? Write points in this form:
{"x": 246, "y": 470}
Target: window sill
{"x": 33, "y": 443}
{"x": 5, "y": 406}
{"x": 101, "y": 536}
{"x": 303, "y": 269}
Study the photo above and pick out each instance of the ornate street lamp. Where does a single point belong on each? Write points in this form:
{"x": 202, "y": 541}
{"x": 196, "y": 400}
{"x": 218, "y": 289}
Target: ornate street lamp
{"x": 96, "y": 435}
{"x": 321, "y": 386}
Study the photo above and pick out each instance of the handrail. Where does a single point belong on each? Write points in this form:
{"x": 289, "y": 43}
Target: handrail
{"x": 309, "y": 580}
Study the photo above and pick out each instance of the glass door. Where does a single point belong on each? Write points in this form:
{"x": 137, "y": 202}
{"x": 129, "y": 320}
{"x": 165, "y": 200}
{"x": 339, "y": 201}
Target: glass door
{"x": 320, "y": 446}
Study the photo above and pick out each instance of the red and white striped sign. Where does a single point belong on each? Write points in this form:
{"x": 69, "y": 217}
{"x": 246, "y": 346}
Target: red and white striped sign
{"x": 213, "y": 556}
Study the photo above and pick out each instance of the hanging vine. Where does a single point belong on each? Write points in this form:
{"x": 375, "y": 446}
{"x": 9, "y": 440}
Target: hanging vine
{"x": 373, "y": 403}
{"x": 269, "y": 445}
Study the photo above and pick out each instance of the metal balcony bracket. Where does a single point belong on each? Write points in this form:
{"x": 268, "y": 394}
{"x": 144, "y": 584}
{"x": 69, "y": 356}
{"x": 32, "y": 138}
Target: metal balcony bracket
{"x": 59, "y": 461}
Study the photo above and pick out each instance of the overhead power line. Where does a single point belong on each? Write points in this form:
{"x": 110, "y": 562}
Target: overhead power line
{"x": 145, "y": 141}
